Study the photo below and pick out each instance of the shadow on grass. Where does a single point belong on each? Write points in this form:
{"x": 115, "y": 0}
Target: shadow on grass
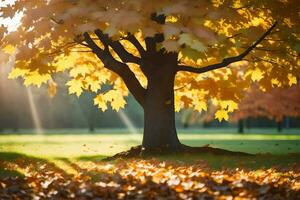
{"x": 16, "y": 161}
{"x": 97, "y": 158}
{"x": 219, "y": 162}
{"x": 5, "y": 173}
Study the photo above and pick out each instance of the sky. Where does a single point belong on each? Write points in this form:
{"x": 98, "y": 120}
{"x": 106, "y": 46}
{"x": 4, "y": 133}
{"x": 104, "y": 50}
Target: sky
{"x": 13, "y": 23}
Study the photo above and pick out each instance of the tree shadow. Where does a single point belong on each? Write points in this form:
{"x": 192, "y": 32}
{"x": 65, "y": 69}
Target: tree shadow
{"x": 24, "y": 162}
{"x": 258, "y": 161}
{"x": 25, "y": 177}
{"x": 97, "y": 158}
{"x": 218, "y": 162}
{"x": 216, "y": 158}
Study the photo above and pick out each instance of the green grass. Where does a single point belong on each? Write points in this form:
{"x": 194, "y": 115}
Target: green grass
{"x": 58, "y": 148}
{"x": 109, "y": 144}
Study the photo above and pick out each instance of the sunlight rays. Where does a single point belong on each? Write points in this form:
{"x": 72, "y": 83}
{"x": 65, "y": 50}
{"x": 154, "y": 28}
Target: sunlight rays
{"x": 128, "y": 123}
{"x": 34, "y": 112}
{"x": 4, "y": 70}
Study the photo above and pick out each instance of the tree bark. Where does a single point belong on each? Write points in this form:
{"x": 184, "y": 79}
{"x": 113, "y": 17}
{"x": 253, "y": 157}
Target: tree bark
{"x": 159, "y": 112}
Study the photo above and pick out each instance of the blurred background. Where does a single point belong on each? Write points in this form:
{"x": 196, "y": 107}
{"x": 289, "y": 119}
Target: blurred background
{"x": 34, "y": 110}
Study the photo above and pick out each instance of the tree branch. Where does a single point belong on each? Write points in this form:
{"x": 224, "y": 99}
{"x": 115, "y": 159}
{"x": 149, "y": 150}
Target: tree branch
{"x": 229, "y": 60}
{"x": 118, "y": 48}
{"x": 131, "y": 38}
{"x": 160, "y": 19}
{"x": 119, "y": 68}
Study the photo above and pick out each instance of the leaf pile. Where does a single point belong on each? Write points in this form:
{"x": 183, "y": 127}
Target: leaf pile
{"x": 144, "y": 179}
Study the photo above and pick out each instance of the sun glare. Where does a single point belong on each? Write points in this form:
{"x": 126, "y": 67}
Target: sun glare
{"x": 128, "y": 123}
{"x": 11, "y": 23}
{"x": 34, "y": 112}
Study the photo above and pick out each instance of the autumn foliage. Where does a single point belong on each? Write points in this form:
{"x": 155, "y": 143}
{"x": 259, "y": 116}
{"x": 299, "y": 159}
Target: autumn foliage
{"x": 168, "y": 54}
{"x": 50, "y": 40}
{"x": 275, "y": 104}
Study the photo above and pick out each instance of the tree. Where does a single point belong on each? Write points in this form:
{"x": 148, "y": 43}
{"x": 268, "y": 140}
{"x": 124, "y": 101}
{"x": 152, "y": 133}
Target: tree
{"x": 275, "y": 104}
{"x": 203, "y": 50}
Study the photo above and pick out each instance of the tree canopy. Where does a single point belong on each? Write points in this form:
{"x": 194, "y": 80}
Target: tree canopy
{"x": 241, "y": 41}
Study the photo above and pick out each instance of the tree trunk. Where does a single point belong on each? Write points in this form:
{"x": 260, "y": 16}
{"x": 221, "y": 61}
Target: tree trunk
{"x": 159, "y": 114}
{"x": 279, "y": 126}
{"x": 241, "y": 126}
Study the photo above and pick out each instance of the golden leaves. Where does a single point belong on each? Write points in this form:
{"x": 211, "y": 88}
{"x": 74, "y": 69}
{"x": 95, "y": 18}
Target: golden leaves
{"x": 79, "y": 70}
{"x": 100, "y": 102}
{"x": 255, "y": 74}
{"x": 75, "y": 86}
{"x": 30, "y": 77}
{"x": 9, "y": 49}
{"x": 292, "y": 79}
{"x": 143, "y": 179}
{"x": 35, "y": 78}
{"x": 221, "y": 114}
{"x": 202, "y": 32}
{"x": 93, "y": 83}
{"x": 199, "y": 106}
{"x": 226, "y": 107}
{"x": 115, "y": 98}
{"x": 17, "y": 72}
{"x": 52, "y": 88}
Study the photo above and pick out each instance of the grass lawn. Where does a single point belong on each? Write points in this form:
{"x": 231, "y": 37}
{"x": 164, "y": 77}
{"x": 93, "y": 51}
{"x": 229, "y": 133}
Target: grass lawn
{"x": 285, "y": 149}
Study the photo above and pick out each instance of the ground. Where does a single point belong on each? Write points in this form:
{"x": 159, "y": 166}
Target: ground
{"x": 69, "y": 166}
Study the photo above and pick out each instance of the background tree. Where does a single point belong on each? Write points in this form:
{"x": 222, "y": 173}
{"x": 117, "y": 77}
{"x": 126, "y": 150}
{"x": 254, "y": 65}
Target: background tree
{"x": 206, "y": 50}
{"x": 275, "y": 105}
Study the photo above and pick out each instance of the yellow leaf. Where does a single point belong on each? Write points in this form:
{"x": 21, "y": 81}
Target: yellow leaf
{"x": 116, "y": 99}
{"x": 221, "y": 114}
{"x": 110, "y": 95}
{"x": 228, "y": 105}
{"x": 9, "y": 49}
{"x": 93, "y": 83}
{"x": 35, "y": 78}
{"x": 292, "y": 79}
{"x": 100, "y": 101}
{"x": 75, "y": 87}
{"x": 201, "y": 105}
{"x": 79, "y": 70}
{"x": 118, "y": 103}
{"x": 52, "y": 89}
{"x": 17, "y": 72}
{"x": 257, "y": 74}
{"x": 232, "y": 106}
{"x": 177, "y": 102}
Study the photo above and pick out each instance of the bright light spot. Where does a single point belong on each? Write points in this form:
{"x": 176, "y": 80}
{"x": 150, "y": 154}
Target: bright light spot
{"x": 129, "y": 125}
{"x": 11, "y": 23}
{"x": 34, "y": 113}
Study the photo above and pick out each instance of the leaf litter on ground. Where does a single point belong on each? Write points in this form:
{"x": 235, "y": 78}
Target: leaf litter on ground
{"x": 145, "y": 179}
